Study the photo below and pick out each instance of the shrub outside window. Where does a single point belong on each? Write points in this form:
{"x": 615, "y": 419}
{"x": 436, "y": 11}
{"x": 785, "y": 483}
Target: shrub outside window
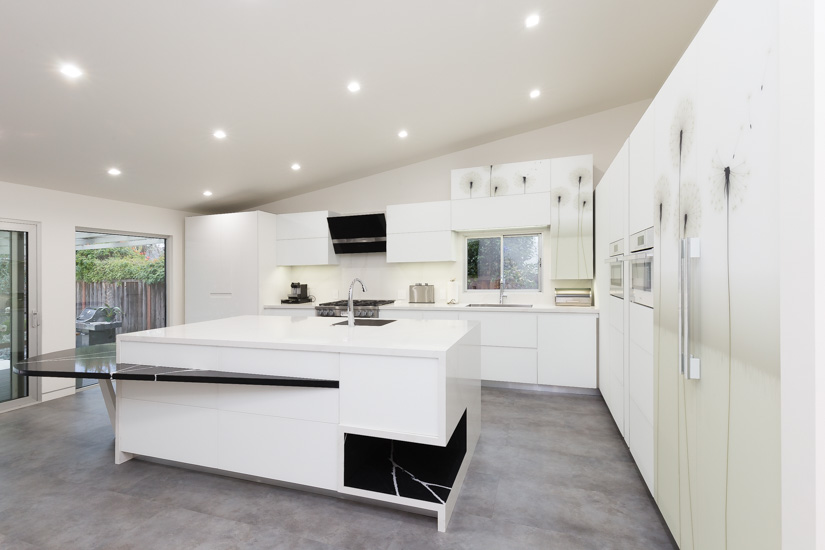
{"x": 514, "y": 258}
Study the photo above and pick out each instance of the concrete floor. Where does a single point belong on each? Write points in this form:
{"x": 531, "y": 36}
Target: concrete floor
{"x": 550, "y": 472}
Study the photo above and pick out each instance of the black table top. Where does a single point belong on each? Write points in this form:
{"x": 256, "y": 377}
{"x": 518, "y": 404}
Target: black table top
{"x": 100, "y": 362}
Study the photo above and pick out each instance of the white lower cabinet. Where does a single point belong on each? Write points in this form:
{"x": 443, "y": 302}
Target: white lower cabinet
{"x": 508, "y": 364}
{"x": 567, "y": 350}
{"x": 640, "y": 389}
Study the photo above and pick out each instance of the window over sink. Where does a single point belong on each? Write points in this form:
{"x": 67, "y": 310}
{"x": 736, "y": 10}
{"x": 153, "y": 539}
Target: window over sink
{"x": 515, "y": 259}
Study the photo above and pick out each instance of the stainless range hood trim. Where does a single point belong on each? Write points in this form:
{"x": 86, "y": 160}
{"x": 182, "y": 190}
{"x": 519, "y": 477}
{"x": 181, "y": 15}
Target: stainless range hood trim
{"x": 360, "y": 240}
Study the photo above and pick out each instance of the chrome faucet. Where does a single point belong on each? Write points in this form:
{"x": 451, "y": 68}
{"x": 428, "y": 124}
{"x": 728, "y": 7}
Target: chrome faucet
{"x": 501, "y": 294}
{"x": 350, "y": 310}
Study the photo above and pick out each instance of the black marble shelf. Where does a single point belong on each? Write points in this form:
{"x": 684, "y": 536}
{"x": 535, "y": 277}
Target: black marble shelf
{"x": 99, "y": 362}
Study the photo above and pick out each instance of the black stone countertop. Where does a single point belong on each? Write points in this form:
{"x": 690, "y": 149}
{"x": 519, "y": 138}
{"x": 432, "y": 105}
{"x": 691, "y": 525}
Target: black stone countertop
{"x": 99, "y": 362}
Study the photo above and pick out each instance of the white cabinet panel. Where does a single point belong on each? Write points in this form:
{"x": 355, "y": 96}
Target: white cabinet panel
{"x": 449, "y": 315}
{"x": 618, "y": 196}
{"x": 172, "y": 432}
{"x": 616, "y": 313}
{"x": 616, "y": 404}
{"x": 302, "y": 225}
{"x": 508, "y": 364}
{"x": 418, "y": 217}
{"x": 567, "y": 350}
{"x": 515, "y": 211}
{"x": 253, "y": 445}
{"x": 640, "y": 380}
{"x": 400, "y": 314}
{"x": 432, "y": 246}
{"x": 640, "y": 326}
{"x": 176, "y": 393}
{"x": 395, "y": 394}
{"x": 303, "y": 239}
{"x": 518, "y": 178}
{"x": 466, "y": 183}
{"x": 170, "y": 355}
{"x": 640, "y": 441}
{"x": 228, "y": 264}
{"x": 602, "y": 279}
{"x": 296, "y": 363}
{"x": 641, "y": 170}
{"x": 315, "y": 404}
{"x": 515, "y": 330}
{"x": 571, "y": 229}
{"x": 315, "y": 251}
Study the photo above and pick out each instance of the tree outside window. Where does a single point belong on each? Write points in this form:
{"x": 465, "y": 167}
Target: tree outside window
{"x": 515, "y": 258}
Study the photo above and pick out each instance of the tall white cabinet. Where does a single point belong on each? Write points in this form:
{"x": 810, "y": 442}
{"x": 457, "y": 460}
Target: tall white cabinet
{"x": 230, "y": 265}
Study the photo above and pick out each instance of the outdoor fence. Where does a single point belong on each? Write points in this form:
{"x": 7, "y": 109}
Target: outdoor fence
{"x": 143, "y": 305}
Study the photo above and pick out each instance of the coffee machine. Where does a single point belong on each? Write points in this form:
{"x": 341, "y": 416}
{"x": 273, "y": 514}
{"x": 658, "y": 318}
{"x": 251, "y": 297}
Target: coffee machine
{"x": 297, "y": 294}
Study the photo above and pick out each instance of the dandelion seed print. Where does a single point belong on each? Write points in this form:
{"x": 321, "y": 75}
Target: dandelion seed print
{"x": 585, "y": 205}
{"x": 690, "y": 210}
{"x": 561, "y": 196}
{"x": 728, "y": 183}
{"x": 682, "y": 133}
{"x": 663, "y": 206}
{"x": 471, "y": 180}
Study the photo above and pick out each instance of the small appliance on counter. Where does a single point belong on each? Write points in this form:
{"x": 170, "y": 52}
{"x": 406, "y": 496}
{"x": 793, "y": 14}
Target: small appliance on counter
{"x": 574, "y": 297}
{"x": 297, "y": 294}
{"x": 422, "y": 293}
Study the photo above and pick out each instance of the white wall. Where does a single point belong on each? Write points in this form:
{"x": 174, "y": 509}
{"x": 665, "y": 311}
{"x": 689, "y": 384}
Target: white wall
{"x": 58, "y": 214}
{"x": 601, "y": 134}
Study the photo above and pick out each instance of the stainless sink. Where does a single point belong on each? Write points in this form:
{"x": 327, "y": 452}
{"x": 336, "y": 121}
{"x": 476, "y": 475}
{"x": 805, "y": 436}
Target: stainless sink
{"x": 499, "y": 305}
{"x": 368, "y": 322}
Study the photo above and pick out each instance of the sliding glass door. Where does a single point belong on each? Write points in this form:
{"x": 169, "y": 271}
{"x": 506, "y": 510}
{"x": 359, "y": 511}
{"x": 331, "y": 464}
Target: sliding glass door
{"x": 18, "y": 312}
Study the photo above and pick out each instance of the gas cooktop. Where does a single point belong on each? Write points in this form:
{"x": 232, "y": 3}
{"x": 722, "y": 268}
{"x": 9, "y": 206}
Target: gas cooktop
{"x": 360, "y": 308}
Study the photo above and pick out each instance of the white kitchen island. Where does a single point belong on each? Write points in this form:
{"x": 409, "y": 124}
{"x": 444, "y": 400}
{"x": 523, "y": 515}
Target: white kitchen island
{"x": 388, "y": 413}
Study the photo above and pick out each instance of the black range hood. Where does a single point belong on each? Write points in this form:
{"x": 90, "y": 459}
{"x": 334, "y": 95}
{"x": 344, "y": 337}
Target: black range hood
{"x": 359, "y": 233}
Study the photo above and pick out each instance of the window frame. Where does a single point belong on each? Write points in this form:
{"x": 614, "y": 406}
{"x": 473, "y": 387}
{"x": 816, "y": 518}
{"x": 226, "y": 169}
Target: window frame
{"x": 501, "y": 237}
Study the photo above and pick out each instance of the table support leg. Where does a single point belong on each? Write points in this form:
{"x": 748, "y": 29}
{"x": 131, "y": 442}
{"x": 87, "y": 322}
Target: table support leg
{"x": 110, "y": 399}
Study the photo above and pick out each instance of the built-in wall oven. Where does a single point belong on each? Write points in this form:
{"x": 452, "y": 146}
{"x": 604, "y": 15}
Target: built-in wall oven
{"x": 616, "y": 265}
{"x": 641, "y": 267}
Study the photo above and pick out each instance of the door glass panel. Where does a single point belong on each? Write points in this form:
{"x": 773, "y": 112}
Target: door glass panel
{"x": 120, "y": 286}
{"x": 14, "y": 313}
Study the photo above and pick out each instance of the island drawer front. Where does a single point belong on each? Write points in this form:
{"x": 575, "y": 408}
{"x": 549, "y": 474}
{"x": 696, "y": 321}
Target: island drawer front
{"x": 299, "y": 364}
{"x": 515, "y": 330}
{"x": 172, "y": 432}
{"x": 295, "y": 451}
{"x": 315, "y": 404}
{"x": 392, "y": 394}
{"x": 508, "y": 364}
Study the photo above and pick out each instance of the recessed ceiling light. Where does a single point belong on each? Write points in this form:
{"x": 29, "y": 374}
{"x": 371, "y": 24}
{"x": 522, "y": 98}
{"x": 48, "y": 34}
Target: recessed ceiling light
{"x": 71, "y": 71}
{"x": 531, "y": 21}
{"x": 207, "y": 193}
{"x": 534, "y": 94}
{"x": 296, "y": 166}
{"x": 219, "y": 134}
{"x": 113, "y": 172}
{"x": 402, "y": 134}
{"x": 353, "y": 86}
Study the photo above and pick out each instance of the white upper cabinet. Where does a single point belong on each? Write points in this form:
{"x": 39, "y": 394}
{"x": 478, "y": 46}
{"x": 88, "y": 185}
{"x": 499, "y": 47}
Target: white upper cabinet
{"x": 470, "y": 183}
{"x": 229, "y": 264}
{"x": 641, "y": 173}
{"x": 518, "y": 178}
{"x": 571, "y": 231}
{"x": 618, "y": 196}
{"x": 303, "y": 239}
{"x": 420, "y": 232}
{"x": 508, "y": 212}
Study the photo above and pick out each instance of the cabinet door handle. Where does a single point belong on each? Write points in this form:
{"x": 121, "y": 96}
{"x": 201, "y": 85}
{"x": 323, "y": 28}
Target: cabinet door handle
{"x": 689, "y": 365}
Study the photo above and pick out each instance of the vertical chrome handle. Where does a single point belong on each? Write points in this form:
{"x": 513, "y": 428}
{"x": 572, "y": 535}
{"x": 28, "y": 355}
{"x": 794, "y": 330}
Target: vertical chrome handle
{"x": 689, "y": 366}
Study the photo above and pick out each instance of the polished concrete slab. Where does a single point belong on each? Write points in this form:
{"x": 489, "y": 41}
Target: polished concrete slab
{"x": 551, "y": 471}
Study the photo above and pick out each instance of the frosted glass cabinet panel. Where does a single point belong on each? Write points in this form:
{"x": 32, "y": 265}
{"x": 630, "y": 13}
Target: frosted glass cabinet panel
{"x": 519, "y": 178}
{"x": 470, "y": 183}
{"x": 571, "y": 230}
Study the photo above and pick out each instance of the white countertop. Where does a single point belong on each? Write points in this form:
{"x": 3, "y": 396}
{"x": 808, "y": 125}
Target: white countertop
{"x": 418, "y": 338}
{"x": 443, "y": 306}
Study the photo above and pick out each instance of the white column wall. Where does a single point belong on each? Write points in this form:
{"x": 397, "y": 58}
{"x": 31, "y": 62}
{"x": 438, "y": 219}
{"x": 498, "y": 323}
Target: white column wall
{"x": 58, "y": 214}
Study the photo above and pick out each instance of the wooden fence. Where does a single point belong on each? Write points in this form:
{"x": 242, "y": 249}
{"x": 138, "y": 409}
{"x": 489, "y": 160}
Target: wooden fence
{"x": 143, "y": 305}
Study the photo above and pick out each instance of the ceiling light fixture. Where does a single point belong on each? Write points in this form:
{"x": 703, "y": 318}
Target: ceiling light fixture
{"x": 353, "y": 86}
{"x": 534, "y": 94}
{"x": 207, "y": 193}
{"x": 219, "y": 134}
{"x": 71, "y": 71}
{"x": 402, "y": 134}
{"x": 296, "y": 166}
{"x": 531, "y": 21}
{"x": 113, "y": 172}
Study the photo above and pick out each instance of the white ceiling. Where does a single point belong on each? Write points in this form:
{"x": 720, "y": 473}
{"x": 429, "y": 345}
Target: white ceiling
{"x": 162, "y": 75}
